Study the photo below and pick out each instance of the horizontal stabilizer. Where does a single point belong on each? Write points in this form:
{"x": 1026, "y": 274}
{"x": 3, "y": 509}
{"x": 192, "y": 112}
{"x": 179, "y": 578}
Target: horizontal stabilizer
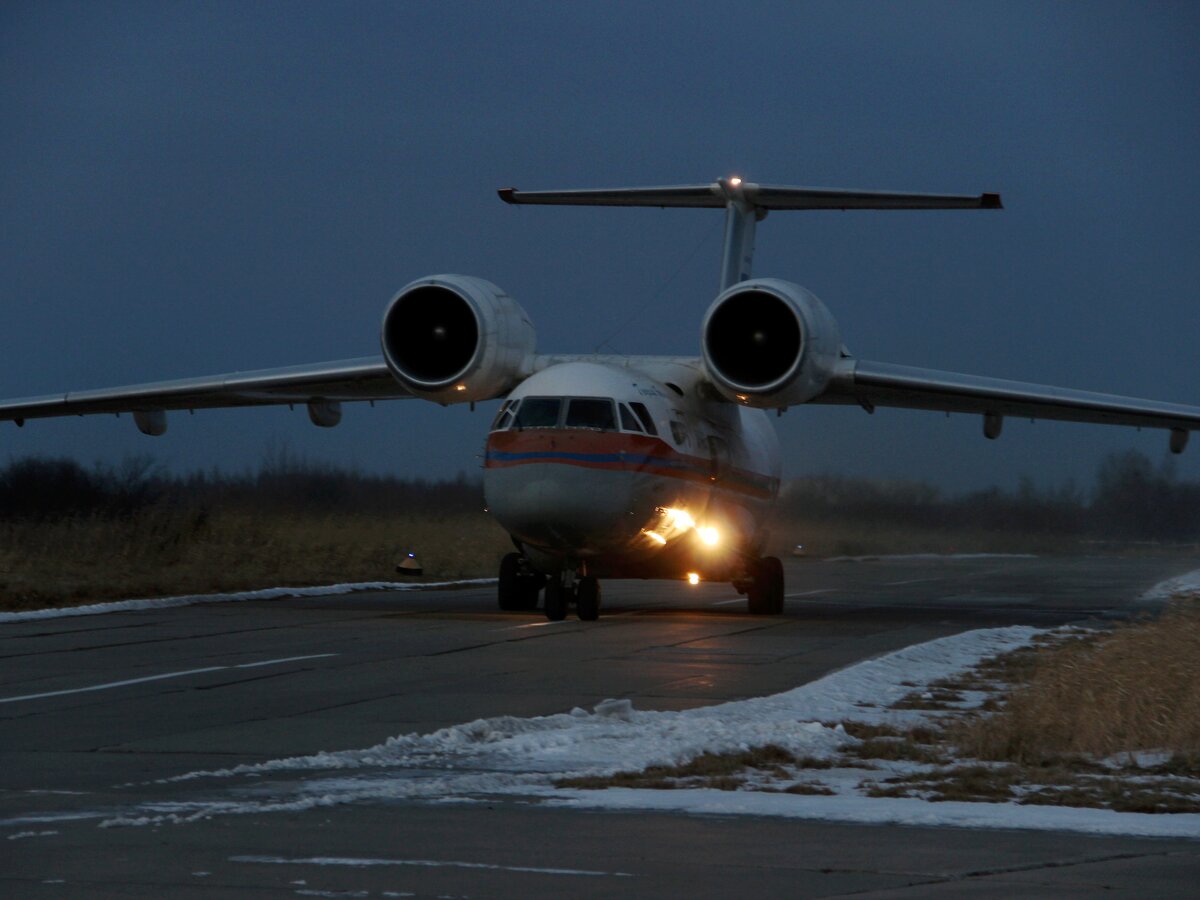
{"x": 760, "y": 196}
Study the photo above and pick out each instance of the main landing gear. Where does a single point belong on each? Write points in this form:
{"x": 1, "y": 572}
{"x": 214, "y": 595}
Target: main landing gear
{"x": 519, "y": 585}
{"x": 764, "y": 588}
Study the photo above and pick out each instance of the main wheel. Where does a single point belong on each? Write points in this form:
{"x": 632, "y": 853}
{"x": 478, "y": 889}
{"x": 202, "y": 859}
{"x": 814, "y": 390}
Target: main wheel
{"x": 509, "y": 591}
{"x": 774, "y": 568}
{"x": 530, "y": 587}
{"x": 587, "y": 599}
{"x": 764, "y": 594}
{"x": 556, "y": 599}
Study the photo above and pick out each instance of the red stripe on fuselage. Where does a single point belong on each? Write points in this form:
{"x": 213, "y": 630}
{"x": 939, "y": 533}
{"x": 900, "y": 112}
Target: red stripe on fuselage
{"x": 615, "y": 451}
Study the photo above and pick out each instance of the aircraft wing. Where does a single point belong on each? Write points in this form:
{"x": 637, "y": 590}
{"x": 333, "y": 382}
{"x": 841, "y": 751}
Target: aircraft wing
{"x": 872, "y": 384}
{"x": 367, "y": 378}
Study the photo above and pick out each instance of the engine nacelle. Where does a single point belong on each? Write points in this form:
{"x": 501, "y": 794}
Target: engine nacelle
{"x": 769, "y": 343}
{"x": 457, "y": 339}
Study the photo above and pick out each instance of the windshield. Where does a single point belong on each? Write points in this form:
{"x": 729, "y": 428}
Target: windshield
{"x": 591, "y": 413}
{"x": 538, "y": 412}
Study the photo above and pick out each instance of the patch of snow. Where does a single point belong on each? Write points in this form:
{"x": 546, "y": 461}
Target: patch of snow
{"x": 1165, "y": 590}
{"x": 891, "y": 811}
{"x": 21, "y": 835}
{"x": 930, "y": 556}
{"x": 95, "y": 609}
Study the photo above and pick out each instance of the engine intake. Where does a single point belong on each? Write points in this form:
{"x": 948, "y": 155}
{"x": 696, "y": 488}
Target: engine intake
{"x": 769, "y": 343}
{"x": 456, "y": 339}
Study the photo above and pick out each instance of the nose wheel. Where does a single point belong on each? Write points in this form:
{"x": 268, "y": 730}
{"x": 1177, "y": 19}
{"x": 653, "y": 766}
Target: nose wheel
{"x": 585, "y": 594}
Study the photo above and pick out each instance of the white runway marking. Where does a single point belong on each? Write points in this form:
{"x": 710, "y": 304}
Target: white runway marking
{"x": 423, "y": 863}
{"x": 534, "y": 625}
{"x": 115, "y": 684}
{"x": 911, "y": 581}
{"x": 728, "y": 602}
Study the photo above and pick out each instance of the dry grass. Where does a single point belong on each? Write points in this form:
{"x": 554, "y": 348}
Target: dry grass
{"x": 1135, "y": 688}
{"x": 162, "y": 550}
{"x": 722, "y": 771}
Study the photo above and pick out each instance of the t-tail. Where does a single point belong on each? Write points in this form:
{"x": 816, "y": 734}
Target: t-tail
{"x": 745, "y": 204}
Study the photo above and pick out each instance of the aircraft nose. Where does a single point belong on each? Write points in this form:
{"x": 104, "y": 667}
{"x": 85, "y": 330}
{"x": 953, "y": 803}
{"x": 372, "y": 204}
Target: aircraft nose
{"x": 562, "y": 507}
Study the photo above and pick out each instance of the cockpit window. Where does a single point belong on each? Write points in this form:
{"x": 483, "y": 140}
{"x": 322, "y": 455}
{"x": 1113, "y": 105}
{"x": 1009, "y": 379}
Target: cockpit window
{"x": 591, "y": 413}
{"x": 644, "y": 415}
{"x": 629, "y": 421}
{"x": 505, "y": 416}
{"x": 538, "y": 412}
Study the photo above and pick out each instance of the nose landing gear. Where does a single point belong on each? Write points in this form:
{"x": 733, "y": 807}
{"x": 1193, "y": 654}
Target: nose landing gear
{"x": 519, "y": 586}
{"x": 564, "y": 589}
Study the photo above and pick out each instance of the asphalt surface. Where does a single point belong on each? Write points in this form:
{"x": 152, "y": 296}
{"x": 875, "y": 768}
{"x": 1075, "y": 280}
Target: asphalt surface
{"x": 95, "y": 710}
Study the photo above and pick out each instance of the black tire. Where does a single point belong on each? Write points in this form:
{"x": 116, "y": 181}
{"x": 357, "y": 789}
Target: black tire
{"x": 587, "y": 599}
{"x": 509, "y": 590}
{"x": 531, "y": 586}
{"x": 556, "y": 600}
{"x": 764, "y": 594}
{"x": 774, "y": 571}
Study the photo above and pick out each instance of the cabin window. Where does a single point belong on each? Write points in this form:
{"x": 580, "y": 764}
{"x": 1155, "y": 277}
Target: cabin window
{"x": 644, "y": 415}
{"x": 591, "y": 413}
{"x": 538, "y": 412}
{"x": 629, "y": 421}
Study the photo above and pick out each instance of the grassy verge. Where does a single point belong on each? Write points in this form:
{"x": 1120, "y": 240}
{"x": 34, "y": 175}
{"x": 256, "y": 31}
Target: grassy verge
{"x": 1136, "y": 688}
{"x": 1108, "y": 720}
{"x": 164, "y": 549}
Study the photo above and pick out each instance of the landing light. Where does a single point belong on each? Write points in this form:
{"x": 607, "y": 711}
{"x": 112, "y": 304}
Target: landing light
{"x": 710, "y": 536}
{"x": 735, "y": 181}
{"x": 460, "y": 387}
{"x": 655, "y": 536}
{"x": 679, "y": 518}
{"x": 693, "y": 578}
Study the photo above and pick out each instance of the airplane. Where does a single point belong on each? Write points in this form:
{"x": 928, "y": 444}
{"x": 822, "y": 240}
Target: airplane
{"x": 604, "y": 466}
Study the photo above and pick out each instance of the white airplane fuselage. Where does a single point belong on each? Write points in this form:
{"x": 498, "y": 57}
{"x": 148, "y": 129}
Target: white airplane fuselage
{"x": 631, "y": 472}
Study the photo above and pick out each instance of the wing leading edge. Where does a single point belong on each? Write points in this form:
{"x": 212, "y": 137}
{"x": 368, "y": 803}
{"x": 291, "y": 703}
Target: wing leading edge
{"x": 870, "y": 384}
{"x": 367, "y": 378}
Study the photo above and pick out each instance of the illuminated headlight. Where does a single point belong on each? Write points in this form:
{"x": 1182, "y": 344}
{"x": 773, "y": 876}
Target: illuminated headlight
{"x": 693, "y": 578}
{"x": 679, "y": 519}
{"x": 709, "y": 536}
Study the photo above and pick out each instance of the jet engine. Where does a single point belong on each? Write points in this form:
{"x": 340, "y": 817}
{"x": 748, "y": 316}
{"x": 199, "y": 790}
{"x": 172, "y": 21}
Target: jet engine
{"x": 769, "y": 343}
{"x": 456, "y": 339}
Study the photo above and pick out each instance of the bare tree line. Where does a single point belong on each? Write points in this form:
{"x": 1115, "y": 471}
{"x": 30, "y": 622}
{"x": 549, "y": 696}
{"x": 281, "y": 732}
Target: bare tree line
{"x": 1130, "y": 498}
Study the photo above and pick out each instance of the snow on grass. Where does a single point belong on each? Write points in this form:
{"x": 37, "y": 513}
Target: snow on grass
{"x": 95, "y": 609}
{"x": 1181, "y": 586}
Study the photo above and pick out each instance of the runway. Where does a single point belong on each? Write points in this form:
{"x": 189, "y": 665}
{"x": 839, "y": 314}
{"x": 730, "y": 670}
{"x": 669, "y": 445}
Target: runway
{"x": 97, "y": 709}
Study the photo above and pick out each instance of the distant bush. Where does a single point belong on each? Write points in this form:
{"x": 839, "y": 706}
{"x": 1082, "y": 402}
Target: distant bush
{"x": 34, "y": 488}
{"x": 1131, "y": 500}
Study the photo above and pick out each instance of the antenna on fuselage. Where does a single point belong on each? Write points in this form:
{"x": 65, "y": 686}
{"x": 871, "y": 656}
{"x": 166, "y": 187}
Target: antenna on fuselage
{"x": 745, "y": 205}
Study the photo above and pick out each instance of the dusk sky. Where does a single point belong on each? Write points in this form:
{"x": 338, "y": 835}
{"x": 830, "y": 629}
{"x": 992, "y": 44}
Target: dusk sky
{"x": 195, "y": 188}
